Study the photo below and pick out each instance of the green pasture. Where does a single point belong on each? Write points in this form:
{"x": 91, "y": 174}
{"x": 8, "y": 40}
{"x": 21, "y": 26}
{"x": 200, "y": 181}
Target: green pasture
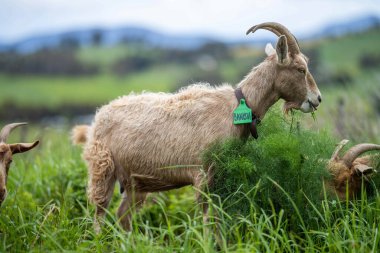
{"x": 343, "y": 54}
{"x": 47, "y": 210}
{"x": 339, "y": 54}
{"x": 56, "y": 90}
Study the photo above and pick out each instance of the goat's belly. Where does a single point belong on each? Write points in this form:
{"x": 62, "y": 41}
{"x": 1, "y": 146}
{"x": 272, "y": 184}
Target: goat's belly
{"x": 155, "y": 153}
{"x": 164, "y": 179}
{"x": 156, "y": 164}
{"x": 144, "y": 149}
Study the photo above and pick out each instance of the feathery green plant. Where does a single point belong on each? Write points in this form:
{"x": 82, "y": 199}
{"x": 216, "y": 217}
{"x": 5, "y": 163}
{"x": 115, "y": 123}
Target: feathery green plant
{"x": 282, "y": 170}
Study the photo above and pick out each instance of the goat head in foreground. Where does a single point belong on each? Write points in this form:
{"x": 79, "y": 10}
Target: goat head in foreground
{"x": 350, "y": 171}
{"x": 293, "y": 82}
{"x": 6, "y": 152}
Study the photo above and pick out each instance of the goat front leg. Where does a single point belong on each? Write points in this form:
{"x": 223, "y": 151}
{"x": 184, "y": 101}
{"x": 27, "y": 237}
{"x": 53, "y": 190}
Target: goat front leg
{"x": 131, "y": 202}
{"x": 202, "y": 181}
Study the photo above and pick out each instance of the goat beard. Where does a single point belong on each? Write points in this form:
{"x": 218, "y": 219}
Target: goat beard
{"x": 289, "y": 106}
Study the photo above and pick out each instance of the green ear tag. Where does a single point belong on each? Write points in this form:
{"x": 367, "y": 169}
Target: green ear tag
{"x": 242, "y": 114}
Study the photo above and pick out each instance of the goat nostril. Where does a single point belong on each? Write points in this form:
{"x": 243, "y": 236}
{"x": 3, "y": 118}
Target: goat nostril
{"x": 319, "y": 99}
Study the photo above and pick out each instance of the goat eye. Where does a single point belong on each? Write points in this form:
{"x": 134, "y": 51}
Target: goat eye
{"x": 301, "y": 70}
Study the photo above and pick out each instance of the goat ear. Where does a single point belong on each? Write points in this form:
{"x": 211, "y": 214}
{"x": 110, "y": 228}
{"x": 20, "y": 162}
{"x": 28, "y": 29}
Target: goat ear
{"x": 282, "y": 50}
{"x": 362, "y": 169}
{"x": 269, "y": 49}
{"x": 22, "y": 147}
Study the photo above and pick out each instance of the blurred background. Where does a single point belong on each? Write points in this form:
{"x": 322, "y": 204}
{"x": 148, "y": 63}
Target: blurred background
{"x": 60, "y": 60}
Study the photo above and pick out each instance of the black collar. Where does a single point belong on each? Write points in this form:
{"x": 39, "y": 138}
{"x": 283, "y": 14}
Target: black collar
{"x": 255, "y": 120}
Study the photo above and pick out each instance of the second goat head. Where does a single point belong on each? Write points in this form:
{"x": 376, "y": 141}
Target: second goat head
{"x": 6, "y": 153}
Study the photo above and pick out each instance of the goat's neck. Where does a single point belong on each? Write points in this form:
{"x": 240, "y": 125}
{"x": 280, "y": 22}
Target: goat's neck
{"x": 258, "y": 88}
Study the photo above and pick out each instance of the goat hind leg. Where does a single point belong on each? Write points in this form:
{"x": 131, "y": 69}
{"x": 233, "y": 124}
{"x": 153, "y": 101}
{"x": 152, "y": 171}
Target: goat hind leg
{"x": 101, "y": 207}
{"x": 101, "y": 170}
{"x": 131, "y": 201}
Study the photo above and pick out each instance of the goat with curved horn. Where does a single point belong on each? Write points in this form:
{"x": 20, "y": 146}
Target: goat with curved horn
{"x": 279, "y": 30}
{"x": 284, "y": 74}
{"x": 7, "y": 129}
{"x": 6, "y": 153}
{"x": 349, "y": 171}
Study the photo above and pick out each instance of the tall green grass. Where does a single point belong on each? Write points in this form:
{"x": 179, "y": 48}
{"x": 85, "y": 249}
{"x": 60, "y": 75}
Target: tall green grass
{"x": 47, "y": 209}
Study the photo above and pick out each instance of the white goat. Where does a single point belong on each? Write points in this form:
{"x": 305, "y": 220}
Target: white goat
{"x": 134, "y": 136}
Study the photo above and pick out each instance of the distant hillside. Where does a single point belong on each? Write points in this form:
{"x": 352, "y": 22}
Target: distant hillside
{"x": 130, "y": 34}
{"x": 108, "y": 37}
{"x": 351, "y": 26}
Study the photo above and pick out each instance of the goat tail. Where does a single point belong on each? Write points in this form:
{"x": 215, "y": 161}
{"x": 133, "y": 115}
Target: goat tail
{"x": 79, "y": 134}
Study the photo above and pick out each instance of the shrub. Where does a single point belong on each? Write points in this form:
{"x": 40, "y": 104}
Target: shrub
{"x": 283, "y": 170}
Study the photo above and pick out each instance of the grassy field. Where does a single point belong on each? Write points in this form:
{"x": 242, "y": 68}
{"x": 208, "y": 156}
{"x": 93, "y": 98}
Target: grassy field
{"x": 47, "y": 211}
{"x": 55, "y": 91}
{"x": 343, "y": 54}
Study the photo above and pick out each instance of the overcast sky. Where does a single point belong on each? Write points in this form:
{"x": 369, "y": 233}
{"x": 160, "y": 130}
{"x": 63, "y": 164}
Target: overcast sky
{"x": 228, "y": 19}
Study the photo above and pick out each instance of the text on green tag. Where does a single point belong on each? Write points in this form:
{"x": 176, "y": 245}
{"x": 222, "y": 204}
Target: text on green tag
{"x": 242, "y": 114}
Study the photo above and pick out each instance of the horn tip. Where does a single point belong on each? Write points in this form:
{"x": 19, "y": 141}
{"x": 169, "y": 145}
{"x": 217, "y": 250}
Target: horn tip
{"x": 22, "y": 123}
{"x": 5, "y": 131}
{"x": 250, "y": 30}
{"x": 343, "y": 142}
{"x": 19, "y": 124}
{"x": 36, "y": 143}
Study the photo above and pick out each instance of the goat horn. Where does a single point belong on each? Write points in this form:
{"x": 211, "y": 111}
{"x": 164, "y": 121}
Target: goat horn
{"x": 338, "y": 149}
{"x": 7, "y": 129}
{"x": 356, "y": 151}
{"x": 279, "y": 30}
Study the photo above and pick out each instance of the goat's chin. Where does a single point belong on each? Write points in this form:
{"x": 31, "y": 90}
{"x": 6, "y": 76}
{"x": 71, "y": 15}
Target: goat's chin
{"x": 305, "y": 107}
{"x": 288, "y": 106}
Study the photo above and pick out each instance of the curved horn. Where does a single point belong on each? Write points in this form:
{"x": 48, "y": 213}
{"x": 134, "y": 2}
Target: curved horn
{"x": 338, "y": 148}
{"x": 279, "y": 30}
{"x": 356, "y": 151}
{"x": 7, "y": 129}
